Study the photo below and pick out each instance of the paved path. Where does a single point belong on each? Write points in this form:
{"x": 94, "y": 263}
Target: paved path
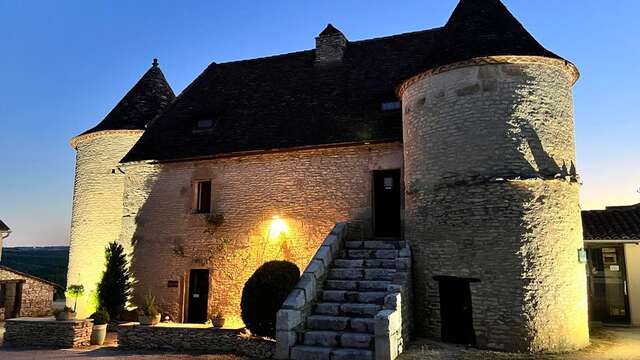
{"x": 103, "y": 353}
{"x": 606, "y": 344}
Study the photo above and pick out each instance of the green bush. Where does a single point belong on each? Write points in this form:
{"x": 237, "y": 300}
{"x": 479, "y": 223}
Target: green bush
{"x": 114, "y": 289}
{"x": 264, "y": 293}
{"x": 100, "y": 317}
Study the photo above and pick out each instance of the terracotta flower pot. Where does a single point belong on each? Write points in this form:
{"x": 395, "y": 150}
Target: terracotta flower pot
{"x": 217, "y": 322}
{"x": 148, "y": 320}
{"x": 98, "y": 334}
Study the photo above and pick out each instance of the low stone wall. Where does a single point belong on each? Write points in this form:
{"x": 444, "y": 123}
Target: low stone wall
{"x": 198, "y": 339}
{"x": 297, "y": 307}
{"x": 393, "y": 324}
{"x": 47, "y": 332}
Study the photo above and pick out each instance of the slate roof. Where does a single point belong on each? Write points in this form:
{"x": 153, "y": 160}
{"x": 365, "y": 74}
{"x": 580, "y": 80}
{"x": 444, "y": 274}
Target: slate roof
{"x": 3, "y": 226}
{"x": 479, "y": 28}
{"x": 148, "y": 97}
{"x": 614, "y": 223}
{"x": 5, "y": 268}
{"x": 289, "y": 101}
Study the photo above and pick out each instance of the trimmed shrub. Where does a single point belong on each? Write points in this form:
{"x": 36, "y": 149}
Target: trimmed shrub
{"x": 264, "y": 293}
{"x": 100, "y": 317}
{"x": 114, "y": 289}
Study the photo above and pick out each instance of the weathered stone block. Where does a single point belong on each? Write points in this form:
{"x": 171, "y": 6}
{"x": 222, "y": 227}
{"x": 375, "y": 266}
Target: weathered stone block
{"x": 288, "y": 319}
{"x": 295, "y": 300}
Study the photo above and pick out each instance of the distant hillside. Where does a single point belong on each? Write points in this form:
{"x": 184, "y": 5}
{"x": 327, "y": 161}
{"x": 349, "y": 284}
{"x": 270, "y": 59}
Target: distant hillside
{"x": 49, "y": 263}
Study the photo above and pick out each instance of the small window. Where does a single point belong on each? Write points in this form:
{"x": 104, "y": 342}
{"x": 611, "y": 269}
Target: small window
{"x": 391, "y": 105}
{"x": 204, "y": 124}
{"x": 203, "y": 197}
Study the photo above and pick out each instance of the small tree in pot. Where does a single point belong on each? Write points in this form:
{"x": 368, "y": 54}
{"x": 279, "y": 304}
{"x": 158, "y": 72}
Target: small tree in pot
{"x": 74, "y": 292}
{"x": 100, "y": 320}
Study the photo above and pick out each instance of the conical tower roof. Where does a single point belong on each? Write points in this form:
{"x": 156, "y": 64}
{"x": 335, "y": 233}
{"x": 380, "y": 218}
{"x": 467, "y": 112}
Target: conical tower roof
{"x": 480, "y": 28}
{"x": 148, "y": 98}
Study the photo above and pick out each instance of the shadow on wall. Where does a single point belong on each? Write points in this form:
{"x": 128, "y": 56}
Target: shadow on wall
{"x": 514, "y": 225}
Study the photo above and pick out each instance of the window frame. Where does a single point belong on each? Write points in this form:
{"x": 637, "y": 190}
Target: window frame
{"x": 196, "y": 204}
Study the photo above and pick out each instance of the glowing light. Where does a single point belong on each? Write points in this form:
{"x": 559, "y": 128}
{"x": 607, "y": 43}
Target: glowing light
{"x": 233, "y": 322}
{"x": 277, "y": 229}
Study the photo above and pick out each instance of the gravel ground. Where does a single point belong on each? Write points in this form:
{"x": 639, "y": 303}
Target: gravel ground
{"x": 606, "y": 344}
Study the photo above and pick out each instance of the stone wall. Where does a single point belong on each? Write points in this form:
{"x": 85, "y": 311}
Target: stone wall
{"x": 204, "y": 339}
{"x": 46, "y": 332}
{"x": 310, "y": 190}
{"x": 97, "y": 206}
{"x": 37, "y": 296}
{"x": 491, "y": 195}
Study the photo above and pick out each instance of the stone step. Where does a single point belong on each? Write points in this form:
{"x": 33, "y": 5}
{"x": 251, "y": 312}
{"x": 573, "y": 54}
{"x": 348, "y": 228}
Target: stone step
{"x": 338, "y": 339}
{"x": 373, "y": 297}
{"x": 364, "y": 263}
{"x": 361, "y": 274}
{"x": 373, "y": 244}
{"x": 347, "y": 309}
{"x": 300, "y": 352}
{"x": 355, "y": 285}
{"x": 340, "y": 323}
{"x": 370, "y": 254}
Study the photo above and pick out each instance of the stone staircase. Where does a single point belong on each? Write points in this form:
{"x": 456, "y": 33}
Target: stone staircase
{"x": 341, "y": 324}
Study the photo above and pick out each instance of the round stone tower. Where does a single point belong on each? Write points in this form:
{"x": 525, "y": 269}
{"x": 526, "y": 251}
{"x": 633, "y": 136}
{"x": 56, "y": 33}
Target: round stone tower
{"x": 492, "y": 209}
{"x": 98, "y": 188}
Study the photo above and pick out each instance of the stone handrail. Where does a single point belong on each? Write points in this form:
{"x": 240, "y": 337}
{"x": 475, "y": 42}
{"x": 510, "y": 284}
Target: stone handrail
{"x": 298, "y": 305}
{"x": 393, "y": 322}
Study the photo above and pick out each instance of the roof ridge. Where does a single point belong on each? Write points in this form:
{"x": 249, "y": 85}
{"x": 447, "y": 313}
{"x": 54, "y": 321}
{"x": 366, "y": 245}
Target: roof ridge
{"x": 299, "y": 52}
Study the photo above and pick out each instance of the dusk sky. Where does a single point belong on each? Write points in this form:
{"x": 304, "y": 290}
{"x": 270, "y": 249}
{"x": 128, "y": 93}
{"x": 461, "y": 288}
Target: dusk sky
{"x": 65, "y": 64}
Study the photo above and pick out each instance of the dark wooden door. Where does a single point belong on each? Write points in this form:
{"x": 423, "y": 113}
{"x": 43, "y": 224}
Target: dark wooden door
{"x": 456, "y": 314}
{"x": 198, "y": 296}
{"x": 386, "y": 203}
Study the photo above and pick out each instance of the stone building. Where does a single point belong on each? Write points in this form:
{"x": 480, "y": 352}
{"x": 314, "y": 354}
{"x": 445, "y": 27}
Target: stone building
{"x": 458, "y": 140}
{"x": 612, "y": 242}
{"x": 22, "y": 294}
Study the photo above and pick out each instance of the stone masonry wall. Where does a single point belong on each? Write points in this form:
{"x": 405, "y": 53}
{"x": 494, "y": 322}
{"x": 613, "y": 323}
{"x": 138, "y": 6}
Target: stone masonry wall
{"x": 37, "y": 296}
{"x": 205, "y": 340}
{"x": 47, "y": 333}
{"x": 310, "y": 190}
{"x": 491, "y": 194}
{"x": 97, "y": 207}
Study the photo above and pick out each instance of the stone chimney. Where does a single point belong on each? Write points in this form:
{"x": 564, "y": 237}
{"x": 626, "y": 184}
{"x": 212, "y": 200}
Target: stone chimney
{"x": 331, "y": 45}
{"x": 4, "y": 233}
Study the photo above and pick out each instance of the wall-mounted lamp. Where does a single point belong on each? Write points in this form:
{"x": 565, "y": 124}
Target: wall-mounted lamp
{"x": 277, "y": 229}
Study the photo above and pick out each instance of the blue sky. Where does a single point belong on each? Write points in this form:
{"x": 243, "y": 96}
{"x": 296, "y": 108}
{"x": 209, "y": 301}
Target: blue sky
{"x": 65, "y": 64}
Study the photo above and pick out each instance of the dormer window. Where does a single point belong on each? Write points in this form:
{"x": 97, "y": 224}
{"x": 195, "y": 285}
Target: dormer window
{"x": 391, "y": 105}
{"x": 204, "y": 124}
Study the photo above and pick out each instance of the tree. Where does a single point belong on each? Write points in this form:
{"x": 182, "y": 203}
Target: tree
{"x": 75, "y": 291}
{"x": 114, "y": 289}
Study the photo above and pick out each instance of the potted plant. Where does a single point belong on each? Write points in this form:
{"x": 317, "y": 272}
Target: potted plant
{"x": 148, "y": 313}
{"x": 65, "y": 314}
{"x": 100, "y": 320}
{"x": 217, "y": 321}
{"x": 74, "y": 292}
